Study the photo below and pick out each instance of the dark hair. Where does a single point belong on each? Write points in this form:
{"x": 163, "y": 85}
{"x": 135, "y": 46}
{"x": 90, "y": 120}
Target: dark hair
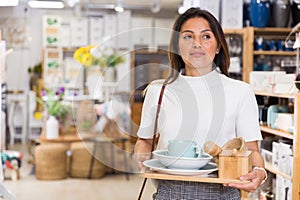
{"x": 222, "y": 60}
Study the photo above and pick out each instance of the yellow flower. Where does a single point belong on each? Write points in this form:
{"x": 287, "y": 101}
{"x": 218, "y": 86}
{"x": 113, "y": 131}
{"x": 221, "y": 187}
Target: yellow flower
{"x": 95, "y": 55}
{"x": 83, "y": 55}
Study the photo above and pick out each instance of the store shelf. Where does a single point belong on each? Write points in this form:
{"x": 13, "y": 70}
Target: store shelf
{"x": 275, "y": 53}
{"x": 289, "y": 96}
{"x": 272, "y": 30}
{"x": 233, "y": 31}
{"x": 280, "y": 133}
{"x": 295, "y": 178}
{"x": 270, "y": 168}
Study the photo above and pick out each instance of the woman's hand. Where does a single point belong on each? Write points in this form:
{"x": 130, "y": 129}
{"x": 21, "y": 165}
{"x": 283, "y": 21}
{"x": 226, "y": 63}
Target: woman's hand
{"x": 142, "y": 152}
{"x": 255, "y": 178}
{"x": 140, "y": 158}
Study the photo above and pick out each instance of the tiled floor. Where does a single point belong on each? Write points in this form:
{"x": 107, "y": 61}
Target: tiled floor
{"x": 110, "y": 187}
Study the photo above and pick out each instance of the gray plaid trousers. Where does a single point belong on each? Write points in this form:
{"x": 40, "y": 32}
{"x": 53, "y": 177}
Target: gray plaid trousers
{"x": 183, "y": 190}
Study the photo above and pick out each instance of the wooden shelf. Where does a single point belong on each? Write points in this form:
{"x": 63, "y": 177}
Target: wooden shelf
{"x": 275, "y": 53}
{"x": 233, "y": 31}
{"x": 290, "y": 96}
{"x": 272, "y": 30}
{"x": 280, "y": 133}
{"x": 71, "y": 49}
{"x": 270, "y": 168}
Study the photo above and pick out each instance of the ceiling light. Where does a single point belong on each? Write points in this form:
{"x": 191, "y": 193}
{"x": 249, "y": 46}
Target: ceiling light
{"x": 9, "y": 2}
{"x": 119, "y": 9}
{"x": 72, "y": 3}
{"x": 186, "y": 4}
{"x": 119, "y": 6}
{"x": 45, "y": 4}
{"x": 155, "y": 8}
{"x": 181, "y": 10}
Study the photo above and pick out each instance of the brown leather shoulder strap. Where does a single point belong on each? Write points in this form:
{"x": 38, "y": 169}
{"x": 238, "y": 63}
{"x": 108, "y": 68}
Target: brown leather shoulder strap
{"x": 154, "y": 132}
{"x": 157, "y": 115}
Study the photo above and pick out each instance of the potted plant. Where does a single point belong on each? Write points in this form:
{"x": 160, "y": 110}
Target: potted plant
{"x": 56, "y": 108}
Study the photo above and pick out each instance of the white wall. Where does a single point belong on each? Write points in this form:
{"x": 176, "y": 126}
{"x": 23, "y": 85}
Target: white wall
{"x": 21, "y": 59}
{"x": 18, "y": 62}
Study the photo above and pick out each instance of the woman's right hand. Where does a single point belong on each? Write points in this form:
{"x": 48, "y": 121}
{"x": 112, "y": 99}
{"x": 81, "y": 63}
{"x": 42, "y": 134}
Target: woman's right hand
{"x": 140, "y": 158}
{"x": 142, "y": 152}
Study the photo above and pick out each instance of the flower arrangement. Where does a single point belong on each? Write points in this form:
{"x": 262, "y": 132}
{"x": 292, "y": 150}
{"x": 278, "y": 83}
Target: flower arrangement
{"x": 96, "y": 55}
{"x": 52, "y": 101}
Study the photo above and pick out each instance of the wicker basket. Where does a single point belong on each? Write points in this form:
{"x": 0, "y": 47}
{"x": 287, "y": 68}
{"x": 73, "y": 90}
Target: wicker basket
{"x": 80, "y": 162}
{"x": 50, "y": 161}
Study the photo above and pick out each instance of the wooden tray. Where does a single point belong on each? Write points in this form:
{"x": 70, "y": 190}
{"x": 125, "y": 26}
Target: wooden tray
{"x": 204, "y": 179}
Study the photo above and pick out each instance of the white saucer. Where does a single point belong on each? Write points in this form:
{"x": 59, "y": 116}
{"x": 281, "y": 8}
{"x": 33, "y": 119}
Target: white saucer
{"x": 155, "y": 165}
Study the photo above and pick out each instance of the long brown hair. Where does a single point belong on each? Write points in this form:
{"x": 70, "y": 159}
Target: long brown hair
{"x": 221, "y": 60}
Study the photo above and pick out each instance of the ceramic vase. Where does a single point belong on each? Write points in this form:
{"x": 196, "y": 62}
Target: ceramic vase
{"x": 110, "y": 74}
{"x": 281, "y": 8}
{"x": 260, "y": 12}
{"x": 52, "y": 128}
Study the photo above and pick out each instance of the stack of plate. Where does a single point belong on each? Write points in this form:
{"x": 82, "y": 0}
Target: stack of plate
{"x": 163, "y": 162}
{"x": 181, "y": 162}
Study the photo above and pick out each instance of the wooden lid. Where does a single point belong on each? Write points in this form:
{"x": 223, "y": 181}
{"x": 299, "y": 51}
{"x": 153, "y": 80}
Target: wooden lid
{"x": 233, "y": 153}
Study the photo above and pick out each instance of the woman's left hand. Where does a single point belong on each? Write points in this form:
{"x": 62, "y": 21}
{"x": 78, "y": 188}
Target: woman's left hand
{"x": 255, "y": 178}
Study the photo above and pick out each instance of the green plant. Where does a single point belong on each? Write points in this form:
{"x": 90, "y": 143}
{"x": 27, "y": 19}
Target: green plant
{"x": 37, "y": 69}
{"x": 52, "y": 101}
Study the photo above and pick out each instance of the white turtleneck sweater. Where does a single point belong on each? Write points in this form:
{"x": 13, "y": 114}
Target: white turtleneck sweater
{"x": 209, "y": 107}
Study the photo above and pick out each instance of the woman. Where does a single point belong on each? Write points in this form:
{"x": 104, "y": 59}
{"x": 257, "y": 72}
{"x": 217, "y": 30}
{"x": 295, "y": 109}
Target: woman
{"x": 202, "y": 103}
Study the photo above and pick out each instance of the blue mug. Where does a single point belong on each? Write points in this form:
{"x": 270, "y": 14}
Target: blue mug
{"x": 184, "y": 148}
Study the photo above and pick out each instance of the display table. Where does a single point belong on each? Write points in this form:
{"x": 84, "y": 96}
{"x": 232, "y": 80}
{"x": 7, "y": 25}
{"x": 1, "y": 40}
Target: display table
{"x": 67, "y": 138}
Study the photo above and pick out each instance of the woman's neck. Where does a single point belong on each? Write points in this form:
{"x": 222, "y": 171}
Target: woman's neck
{"x": 191, "y": 71}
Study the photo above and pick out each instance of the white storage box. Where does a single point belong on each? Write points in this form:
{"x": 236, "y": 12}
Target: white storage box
{"x": 79, "y": 32}
{"x": 264, "y": 81}
{"x": 232, "y": 14}
{"x": 283, "y": 188}
{"x": 212, "y": 6}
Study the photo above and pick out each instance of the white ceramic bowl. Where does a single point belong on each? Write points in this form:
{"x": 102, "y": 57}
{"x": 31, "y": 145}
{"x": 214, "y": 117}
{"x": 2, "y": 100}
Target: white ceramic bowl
{"x": 181, "y": 162}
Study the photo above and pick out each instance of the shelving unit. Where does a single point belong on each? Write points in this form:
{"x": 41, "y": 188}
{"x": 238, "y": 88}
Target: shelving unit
{"x": 296, "y": 143}
{"x": 249, "y": 34}
{"x": 245, "y": 58}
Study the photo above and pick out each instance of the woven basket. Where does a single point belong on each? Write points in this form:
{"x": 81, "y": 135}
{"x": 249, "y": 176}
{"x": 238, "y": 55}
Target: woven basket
{"x": 80, "y": 162}
{"x": 50, "y": 161}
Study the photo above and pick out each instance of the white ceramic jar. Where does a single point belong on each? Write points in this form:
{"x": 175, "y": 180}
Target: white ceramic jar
{"x": 52, "y": 128}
